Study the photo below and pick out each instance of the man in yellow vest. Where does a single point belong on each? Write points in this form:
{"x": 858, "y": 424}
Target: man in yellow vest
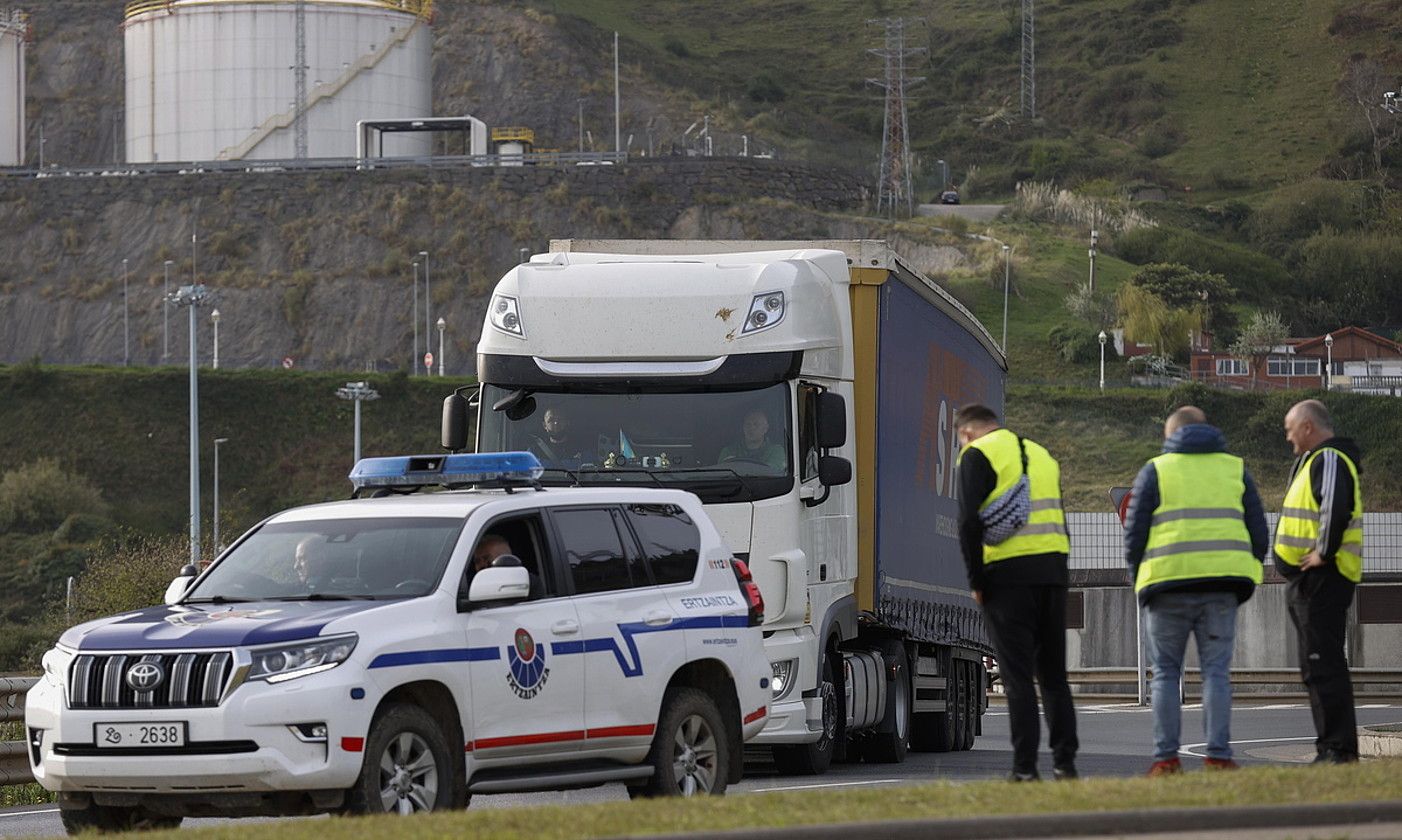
{"x": 1012, "y": 533}
{"x": 1319, "y": 549}
{"x": 1195, "y": 538}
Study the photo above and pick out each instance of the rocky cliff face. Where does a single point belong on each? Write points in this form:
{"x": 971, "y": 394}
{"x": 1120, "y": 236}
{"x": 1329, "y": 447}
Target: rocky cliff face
{"x": 317, "y": 266}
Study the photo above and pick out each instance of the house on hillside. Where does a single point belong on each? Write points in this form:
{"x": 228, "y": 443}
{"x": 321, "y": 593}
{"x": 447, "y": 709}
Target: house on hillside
{"x": 1362, "y": 361}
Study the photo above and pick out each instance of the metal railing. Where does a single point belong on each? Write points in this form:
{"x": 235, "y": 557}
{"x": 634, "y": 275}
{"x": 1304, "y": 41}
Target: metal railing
{"x": 1286, "y": 680}
{"x": 419, "y": 8}
{"x": 14, "y": 756}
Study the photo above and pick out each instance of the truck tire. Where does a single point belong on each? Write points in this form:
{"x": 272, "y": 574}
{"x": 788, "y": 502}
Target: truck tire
{"x": 690, "y": 753}
{"x": 406, "y": 738}
{"x": 938, "y": 731}
{"x": 814, "y": 759}
{"x": 106, "y": 819}
{"x": 970, "y": 715}
{"x": 890, "y": 743}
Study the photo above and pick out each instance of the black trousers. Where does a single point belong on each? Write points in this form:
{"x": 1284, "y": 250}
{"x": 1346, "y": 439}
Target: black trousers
{"x": 1028, "y": 627}
{"x": 1319, "y": 602}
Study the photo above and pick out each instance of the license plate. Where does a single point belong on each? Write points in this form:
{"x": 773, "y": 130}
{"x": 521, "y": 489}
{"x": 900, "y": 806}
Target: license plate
{"x": 131, "y": 735}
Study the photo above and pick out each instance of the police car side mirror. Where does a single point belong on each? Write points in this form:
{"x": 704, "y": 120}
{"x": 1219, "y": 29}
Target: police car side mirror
{"x": 176, "y": 590}
{"x": 499, "y": 583}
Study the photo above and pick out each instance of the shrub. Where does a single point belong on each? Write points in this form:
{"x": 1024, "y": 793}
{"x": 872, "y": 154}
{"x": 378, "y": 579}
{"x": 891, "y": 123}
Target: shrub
{"x": 1077, "y": 343}
{"x": 764, "y": 88}
{"x": 128, "y": 573}
{"x": 1256, "y": 276}
{"x": 40, "y": 495}
{"x": 1159, "y": 139}
{"x": 1296, "y": 212}
{"x": 676, "y": 48}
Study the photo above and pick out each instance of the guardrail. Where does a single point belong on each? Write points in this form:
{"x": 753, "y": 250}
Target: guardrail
{"x": 14, "y": 757}
{"x": 1285, "y": 678}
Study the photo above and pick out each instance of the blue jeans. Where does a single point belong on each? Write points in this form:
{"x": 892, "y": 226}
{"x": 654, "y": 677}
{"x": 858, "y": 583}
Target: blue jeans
{"x": 1210, "y": 617}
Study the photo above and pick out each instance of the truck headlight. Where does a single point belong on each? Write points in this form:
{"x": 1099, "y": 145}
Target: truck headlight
{"x": 766, "y": 310}
{"x": 288, "y": 662}
{"x": 505, "y": 315}
{"x": 784, "y": 673}
{"x": 55, "y": 662}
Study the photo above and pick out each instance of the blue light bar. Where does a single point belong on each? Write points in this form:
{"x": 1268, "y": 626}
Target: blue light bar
{"x": 442, "y": 470}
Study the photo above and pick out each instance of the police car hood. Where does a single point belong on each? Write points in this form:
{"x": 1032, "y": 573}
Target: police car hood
{"x": 213, "y": 625}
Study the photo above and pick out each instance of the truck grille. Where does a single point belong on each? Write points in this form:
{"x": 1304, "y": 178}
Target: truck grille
{"x": 192, "y": 680}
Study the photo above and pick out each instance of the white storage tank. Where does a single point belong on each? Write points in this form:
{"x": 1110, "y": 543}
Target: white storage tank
{"x": 14, "y": 29}
{"x": 216, "y": 80}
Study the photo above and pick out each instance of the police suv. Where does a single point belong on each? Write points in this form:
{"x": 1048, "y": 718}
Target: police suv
{"x": 400, "y": 653}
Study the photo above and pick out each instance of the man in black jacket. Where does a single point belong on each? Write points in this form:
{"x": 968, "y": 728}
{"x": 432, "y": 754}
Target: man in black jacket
{"x": 1319, "y": 549}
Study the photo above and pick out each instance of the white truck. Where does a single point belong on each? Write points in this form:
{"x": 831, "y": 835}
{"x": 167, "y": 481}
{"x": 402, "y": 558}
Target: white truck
{"x": 735, "y": 370}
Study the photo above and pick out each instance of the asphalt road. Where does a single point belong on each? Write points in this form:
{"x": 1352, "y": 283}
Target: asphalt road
{"x": 1115, "y": 741}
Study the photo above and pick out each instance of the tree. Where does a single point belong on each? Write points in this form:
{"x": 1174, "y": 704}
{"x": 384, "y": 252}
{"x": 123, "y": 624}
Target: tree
{"x": 1363, "y": 84}
{"x": 1148, "y": 319}
{"x": 1261, "y": 335}
{"x": 1183, "y": 288}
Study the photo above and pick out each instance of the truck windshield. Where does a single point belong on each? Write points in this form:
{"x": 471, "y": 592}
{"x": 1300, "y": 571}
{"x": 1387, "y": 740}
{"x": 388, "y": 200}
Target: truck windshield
{"x": 338, "y": 559}
{"x": 724, "y": 446}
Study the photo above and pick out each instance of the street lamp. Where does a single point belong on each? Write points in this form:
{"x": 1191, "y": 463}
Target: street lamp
{"x": 1007, "y": 274}
{"x": 442, "y": 325}
{"x": 1329, "y": 372}
{"x": 415, "y": 317}
{"x": 126, "y": 320}
{"x": 428, "y": 303}
{"x": 1094, "y": 238}
{"x": 214, "y": 318}
{"x": 944, "y": 175}
{"x": 193, "y": 296}
{"x": 1102, "y": 338}
{"x": 358, "y": 392}
{"x": 217, "y": 546}
{"x": 165, "y": 315}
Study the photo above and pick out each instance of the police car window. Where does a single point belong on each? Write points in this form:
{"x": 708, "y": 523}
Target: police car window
{"x": 371, "y": 559}
{"x": 521, "y": 536}
{"x": 595, "y": 551}
{"x": 670, "y": 541}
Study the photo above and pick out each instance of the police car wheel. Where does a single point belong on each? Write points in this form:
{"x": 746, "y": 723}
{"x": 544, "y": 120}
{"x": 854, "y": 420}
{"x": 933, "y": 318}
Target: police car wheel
{"x": 690, "y": 753}
{"x": 111, "y": 818}
{"x": 408, "y": 768}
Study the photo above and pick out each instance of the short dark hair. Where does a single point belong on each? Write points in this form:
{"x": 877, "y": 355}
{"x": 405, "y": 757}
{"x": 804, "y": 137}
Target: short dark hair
{"x": 974, "y": 414}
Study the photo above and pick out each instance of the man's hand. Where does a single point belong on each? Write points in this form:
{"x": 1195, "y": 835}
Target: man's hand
{"x": 1311, "y": 561}
{"x": 978, "y": 597}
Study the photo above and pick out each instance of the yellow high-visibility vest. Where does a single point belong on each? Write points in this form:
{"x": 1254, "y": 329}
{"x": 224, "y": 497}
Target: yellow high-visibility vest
{"x": 1045, "y": 531}
{"x": 1297, "y": 532}
{"x": 1199, "y": 528}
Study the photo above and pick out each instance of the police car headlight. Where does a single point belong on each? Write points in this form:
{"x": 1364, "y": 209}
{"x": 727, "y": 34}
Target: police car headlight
{"x": 55, "y": 664}
{"x": 782, "y": 681}
{"x": 288, "y": 662}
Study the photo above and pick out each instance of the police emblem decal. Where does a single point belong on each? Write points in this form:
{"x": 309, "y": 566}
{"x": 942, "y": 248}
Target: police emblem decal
{"x": 527, "y": 662}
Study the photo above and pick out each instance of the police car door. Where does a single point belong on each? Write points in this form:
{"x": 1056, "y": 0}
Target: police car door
{"x": 526, "y": 698}
{"x": 632, "y": 641}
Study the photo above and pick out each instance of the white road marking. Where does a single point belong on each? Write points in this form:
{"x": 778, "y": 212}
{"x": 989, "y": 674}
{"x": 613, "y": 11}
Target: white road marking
{"x": 1189, "y": 748}
{"x": 831, "y": 785}
{"x": 27, "y": 813}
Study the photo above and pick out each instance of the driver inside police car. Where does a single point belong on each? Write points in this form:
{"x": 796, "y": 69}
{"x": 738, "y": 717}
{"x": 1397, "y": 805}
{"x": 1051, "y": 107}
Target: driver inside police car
{"x": 754, "y": 444}
{"x": 309, "y": 561}
{"x": 489, "y": 548}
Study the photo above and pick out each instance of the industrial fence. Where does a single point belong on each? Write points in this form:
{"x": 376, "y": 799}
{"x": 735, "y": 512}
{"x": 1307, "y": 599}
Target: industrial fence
{"x": 14, "y": 758}
{"x": 1097, "y": 545}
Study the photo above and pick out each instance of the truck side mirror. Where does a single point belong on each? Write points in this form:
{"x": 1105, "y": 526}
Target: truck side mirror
{"x": 834, "y": 471}
{"x": 454, "y": 428}
{"x": 832, "y": 420}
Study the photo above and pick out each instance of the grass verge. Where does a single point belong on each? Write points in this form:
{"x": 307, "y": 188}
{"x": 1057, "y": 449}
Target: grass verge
{"x": 1373, "y": 781}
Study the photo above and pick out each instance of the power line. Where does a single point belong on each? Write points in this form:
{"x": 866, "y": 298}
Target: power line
{"x": 1029, "y": 61}
{"x": 895, "y": 189}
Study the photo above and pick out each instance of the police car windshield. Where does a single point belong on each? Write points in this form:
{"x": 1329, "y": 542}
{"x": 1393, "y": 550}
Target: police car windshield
{"x": 725, "y": 446}
{"x": 386, "y": 558}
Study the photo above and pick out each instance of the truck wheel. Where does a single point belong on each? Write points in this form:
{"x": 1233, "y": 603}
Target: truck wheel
{"x": 815, "y": 758}
{"x": 408, "y": 767}
{"x": 690, "y": 753}
{"x": 891, "y": 740}
{"x": 113, "y": 818}
{"x": 938, "y": 731}
{"x": 970, "y": 709}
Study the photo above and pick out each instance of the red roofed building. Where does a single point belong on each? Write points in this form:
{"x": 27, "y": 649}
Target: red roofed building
{"x": 1300, "y": 362}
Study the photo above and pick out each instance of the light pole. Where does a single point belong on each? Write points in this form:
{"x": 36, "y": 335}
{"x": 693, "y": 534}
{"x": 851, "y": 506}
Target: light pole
{"x": 42, "y": 143}
{"x": 415, "y": 317}
{"x": 357, "y": 392}
{"x": 126, "y": 320}
{"x": 1094, "y": 238}
{"x": 442, "y": 325}
{"x": 214, "y": 318}
{"x": 165, "y": 316}
{"x": 944, "y": 176}
{"x": 217, "y": 546}
{"x": 428, "y": 303}
{"x": 1102, "y": 338}
{"x": 193, "y": 296}
{"x": 1329, "y": 371}
{"x": 1007, "y": 275}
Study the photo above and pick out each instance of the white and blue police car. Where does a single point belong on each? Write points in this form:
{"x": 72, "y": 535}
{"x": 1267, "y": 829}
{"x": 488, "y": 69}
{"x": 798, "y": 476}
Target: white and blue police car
{"x": 402, "y": 652}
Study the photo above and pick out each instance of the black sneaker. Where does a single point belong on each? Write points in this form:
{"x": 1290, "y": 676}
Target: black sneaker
{"x": 1016, "y": 776}
{"x": 1334, "y": 757}
{"x": 1065, "y": 773}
